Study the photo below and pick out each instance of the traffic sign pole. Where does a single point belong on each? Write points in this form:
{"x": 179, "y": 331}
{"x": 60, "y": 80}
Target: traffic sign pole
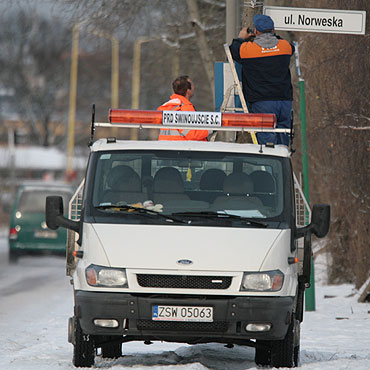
{"x": 310, "y": 292}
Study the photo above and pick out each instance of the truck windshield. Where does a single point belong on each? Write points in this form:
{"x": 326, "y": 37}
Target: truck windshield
{"x": 189, "y": 184}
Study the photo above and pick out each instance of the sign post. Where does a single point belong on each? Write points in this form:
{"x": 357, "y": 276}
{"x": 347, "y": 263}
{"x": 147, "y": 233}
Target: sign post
{"x": 310, "y": 303}
{"x": 313, "y": 20}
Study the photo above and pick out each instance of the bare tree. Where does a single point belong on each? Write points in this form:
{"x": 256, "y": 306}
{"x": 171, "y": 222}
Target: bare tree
{"x": 33, "y": 63}
{"x": 337, "y": 101}
{"x": 171, "y": 22}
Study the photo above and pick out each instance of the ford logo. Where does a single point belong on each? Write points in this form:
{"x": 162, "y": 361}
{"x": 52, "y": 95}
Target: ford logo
{"x": 185, "y": 262}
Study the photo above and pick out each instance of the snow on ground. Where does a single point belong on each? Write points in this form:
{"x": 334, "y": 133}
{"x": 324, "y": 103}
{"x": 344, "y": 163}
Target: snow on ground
{"x": 36, "y": 301}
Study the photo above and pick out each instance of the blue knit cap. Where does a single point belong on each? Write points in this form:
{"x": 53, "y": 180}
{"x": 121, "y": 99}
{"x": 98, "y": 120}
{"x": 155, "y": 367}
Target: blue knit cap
{"x": 263, "y": 22}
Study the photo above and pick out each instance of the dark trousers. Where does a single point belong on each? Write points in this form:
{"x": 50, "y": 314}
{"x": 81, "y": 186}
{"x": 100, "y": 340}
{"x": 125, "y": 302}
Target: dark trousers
{"x": 283, "y": 110}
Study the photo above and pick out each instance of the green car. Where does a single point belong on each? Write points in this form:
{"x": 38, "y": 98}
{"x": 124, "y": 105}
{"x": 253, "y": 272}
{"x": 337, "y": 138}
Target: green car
{"x": 28, "y": 232}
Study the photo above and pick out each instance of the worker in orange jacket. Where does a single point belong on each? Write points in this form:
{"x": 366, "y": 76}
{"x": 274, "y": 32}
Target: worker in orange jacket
{"x": 183, "y": 89}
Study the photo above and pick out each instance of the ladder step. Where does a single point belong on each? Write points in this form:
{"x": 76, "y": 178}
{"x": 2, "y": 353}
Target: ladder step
{"x": 233, "y": 109}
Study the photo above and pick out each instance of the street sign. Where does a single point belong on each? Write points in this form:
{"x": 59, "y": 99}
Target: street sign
{"x": 317, "y": 20}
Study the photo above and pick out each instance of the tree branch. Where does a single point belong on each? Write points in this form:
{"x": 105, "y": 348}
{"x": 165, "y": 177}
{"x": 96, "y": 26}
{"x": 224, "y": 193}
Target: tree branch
{"x": 356, "y": 128}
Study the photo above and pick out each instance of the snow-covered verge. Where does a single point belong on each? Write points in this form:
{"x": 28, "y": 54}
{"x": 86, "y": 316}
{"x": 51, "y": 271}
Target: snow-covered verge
{"x": 36, "y": 301}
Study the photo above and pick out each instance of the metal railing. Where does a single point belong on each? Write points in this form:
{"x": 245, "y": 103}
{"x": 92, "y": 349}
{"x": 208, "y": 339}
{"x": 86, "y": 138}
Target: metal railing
{"x": 303, "y": 211}
{"x": 74, "y": 213}
{"x": 74, "y": 210}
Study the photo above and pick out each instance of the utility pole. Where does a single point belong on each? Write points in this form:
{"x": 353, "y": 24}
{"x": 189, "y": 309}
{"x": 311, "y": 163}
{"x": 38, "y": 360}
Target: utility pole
{"x": 12, "y": 160}
{"x": 115, "y": 65}
{"x": 233, "y": 25}
{"x": 115, "y": 69}
{"x": 204, "y": 50}
{"x": 173, "y": 41}
{"x": 73, "y": 86}
{"x": 72, "y": 98}
{"x": 251, "y": 8}
{"x": 233, "y": 19}
{"x": 115, "y": 72}
{"x": 136, "y": 66}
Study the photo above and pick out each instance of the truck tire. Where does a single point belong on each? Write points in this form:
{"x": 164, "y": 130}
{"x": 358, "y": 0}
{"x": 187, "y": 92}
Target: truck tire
{"x": 300, "y": 303}
{"x": 296, "y": 356}
{"x": 83, "y": 350}
{"x": 263, "y": 355}
{"x": 111, "y": 350}
{"x": 297, "y": 342}
{"x": 285, "y": 353}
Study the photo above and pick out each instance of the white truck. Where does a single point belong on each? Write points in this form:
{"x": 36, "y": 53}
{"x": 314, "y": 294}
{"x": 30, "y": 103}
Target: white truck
{"x": 189, "y": 242}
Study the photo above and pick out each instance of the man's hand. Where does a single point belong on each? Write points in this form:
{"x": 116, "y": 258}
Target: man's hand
{"x": 243, "y": 34}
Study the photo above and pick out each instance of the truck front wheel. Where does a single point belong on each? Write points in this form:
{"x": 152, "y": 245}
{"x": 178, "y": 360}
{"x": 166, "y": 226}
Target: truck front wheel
{"x": 263, "y": 353}
{"x": 111, "y": 350}
{"x": 84, "y": 349}
{"x": 285, "y": 353}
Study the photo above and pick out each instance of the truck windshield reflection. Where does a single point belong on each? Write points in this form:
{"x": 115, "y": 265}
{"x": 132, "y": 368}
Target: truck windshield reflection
{"x": 197, "y": 183}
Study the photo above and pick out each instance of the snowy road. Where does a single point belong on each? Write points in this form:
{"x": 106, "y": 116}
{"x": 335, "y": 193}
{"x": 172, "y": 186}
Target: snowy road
{"x": 36, "y": 301}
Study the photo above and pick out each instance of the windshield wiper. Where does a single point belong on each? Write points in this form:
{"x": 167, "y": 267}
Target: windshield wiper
{"x": 220, "y": 215}
{"x": 137, "y": 210}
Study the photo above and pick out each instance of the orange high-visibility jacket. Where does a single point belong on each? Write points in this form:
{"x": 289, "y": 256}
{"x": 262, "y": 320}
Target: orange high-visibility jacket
{"x": 179, "y": 102}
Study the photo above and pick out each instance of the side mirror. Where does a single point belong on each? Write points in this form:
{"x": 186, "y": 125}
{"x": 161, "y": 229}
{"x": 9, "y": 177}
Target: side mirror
{"x": 320, "y": 220}
{"x": 54, "y": 215}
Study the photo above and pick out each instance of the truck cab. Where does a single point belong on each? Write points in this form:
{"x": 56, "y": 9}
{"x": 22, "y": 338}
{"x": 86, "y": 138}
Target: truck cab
{"x": 189, "y": 242}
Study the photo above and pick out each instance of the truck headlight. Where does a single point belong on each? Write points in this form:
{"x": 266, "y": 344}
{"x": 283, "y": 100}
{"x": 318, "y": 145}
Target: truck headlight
{"x": 106, "y": 276}
{"x": 267, "y": 281}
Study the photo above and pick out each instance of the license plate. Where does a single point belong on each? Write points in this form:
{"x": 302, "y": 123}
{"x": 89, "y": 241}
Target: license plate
{"x": 46, "y": 234}
{"x": 182, "y": 313}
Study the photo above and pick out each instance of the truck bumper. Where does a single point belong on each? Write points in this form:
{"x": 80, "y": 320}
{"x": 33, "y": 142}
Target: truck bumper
{"x": 231, "y": 315}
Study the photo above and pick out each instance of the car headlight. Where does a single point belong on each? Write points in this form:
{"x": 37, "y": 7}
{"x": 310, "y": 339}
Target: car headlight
{"x": 106, "y": 276}
{"x": 267, "y": 281}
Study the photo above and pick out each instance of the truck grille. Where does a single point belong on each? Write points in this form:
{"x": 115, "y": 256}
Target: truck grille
{"x": 217, "y": 326}
{"x": 183, "y": 281}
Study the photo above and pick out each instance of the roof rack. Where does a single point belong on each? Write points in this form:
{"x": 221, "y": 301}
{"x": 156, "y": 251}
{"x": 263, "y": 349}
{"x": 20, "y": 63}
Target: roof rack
{"x": 195, "y": 120}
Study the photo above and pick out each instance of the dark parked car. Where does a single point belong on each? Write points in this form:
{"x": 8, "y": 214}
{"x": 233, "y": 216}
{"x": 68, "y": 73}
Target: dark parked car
{"x": 28, "y": 232}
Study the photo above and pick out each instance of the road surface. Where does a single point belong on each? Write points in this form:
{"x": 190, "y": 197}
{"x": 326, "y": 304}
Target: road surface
{"x": 36, "y": 302}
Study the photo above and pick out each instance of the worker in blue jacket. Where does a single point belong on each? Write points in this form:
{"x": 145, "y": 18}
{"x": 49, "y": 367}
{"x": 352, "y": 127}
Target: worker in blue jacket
{"x": 266, "y": 80}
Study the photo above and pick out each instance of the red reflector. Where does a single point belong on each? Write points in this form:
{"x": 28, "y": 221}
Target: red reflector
{"x": 135, "y": 116}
